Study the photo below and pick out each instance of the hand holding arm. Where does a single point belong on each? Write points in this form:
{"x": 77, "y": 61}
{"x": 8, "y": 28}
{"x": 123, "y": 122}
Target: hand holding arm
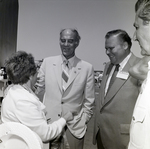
{"x": 68, "y": 116}
{"x": 139, "y": 71}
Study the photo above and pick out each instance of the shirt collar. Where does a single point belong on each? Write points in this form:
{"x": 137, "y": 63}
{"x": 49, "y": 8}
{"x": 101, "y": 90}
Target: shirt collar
{"x": 124, "y": 62}
{"x": 71, "y": 60}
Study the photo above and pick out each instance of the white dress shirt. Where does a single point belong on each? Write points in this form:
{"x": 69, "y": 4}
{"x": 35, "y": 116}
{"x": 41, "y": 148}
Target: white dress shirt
{"x": 122, "y": 64}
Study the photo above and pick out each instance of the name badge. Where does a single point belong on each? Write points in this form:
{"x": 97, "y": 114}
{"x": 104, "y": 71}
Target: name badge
{"x": 123, "y": 75}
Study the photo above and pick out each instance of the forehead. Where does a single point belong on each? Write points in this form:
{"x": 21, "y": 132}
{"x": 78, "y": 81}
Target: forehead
{"x": 68, "y": 34}
{"x": 112, "y": 40}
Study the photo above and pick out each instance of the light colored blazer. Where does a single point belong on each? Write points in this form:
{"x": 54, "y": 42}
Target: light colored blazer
{"x": 140, "y": 125}
{"x": 78, "y": 97}
{"x": 114, "y": 111}
{"x": 19, "y": 105}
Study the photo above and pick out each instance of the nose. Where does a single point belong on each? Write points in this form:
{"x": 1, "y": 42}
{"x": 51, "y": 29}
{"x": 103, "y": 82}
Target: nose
{"x": 107, "y": 51}
{"x": 66, "y": 43}
{"x": 134, "y": 36}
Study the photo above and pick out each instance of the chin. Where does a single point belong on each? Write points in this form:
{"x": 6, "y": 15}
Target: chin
{"x": 145, "y": 52}
{"x": 65, "y": 55}
{"x": 114, "y": 62}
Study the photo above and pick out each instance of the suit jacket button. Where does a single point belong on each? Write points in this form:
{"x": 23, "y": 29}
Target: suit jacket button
{"x": 62, "y": 102}
{"x": 59, "y": 115}
{"x": 133, "y": 118}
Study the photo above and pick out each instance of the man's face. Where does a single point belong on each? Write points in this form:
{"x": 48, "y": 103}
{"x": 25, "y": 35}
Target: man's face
{"x": 68, "y": 43}
{"x": 115, "y": 49}
{"x": 142, "y": 35}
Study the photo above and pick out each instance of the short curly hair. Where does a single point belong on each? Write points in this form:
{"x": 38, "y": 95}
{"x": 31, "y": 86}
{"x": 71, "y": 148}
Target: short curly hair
{"x": 20, "y": 67}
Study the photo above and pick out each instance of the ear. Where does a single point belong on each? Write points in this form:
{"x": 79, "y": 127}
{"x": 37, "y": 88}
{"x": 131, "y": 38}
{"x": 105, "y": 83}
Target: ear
{"x": 125, "y": 45}
{"x": 146, "y": 22}
{"x": 76, "y": 43}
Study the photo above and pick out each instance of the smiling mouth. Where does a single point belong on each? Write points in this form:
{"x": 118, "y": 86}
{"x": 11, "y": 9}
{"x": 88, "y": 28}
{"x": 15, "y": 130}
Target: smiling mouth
{"x": 66, "y": 48}
{"x": 111, "y": 56}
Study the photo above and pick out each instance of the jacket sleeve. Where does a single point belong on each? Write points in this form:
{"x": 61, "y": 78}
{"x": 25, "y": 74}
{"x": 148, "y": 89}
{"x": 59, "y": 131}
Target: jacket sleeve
{"x": 29, "y": 114}
{"x": 89, "y": 94}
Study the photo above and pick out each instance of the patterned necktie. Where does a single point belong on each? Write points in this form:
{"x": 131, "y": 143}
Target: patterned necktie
{"x": 114, "y": 76}
{"x": 65, "y": 74}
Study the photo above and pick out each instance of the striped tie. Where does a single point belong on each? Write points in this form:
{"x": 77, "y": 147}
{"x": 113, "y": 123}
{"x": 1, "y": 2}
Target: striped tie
{"x": 65, "y": 74}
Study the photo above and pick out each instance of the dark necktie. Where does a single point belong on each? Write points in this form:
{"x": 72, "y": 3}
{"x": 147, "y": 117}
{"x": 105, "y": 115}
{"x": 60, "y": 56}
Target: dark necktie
{"x": 114, "y": 76}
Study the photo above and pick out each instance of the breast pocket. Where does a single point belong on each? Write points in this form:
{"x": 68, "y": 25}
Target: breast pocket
{"x": 138, "y": 129}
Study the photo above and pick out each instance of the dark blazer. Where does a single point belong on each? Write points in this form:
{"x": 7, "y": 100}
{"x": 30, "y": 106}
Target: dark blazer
{"x": 114, "y": 111}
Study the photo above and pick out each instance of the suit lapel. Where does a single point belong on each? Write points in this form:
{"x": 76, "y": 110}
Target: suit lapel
{"x": 104, "y": 80}
{"x": 58, "y": 71}
{"x": 118, "y": 83}
{"x": 74, "y": 72}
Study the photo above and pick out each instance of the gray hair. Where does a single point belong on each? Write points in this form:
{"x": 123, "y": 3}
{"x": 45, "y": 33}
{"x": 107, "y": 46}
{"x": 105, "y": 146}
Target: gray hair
{"x": 78, "y": 38}
{"x": 138, "y": 4}
{"x": 142, "y": 9}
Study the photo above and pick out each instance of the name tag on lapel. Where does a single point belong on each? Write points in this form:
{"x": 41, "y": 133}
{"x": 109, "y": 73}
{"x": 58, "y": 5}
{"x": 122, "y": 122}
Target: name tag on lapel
{"x": 122, "y": 75}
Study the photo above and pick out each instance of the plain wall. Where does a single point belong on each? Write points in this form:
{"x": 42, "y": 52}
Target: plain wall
{"x": 40, "y": 22}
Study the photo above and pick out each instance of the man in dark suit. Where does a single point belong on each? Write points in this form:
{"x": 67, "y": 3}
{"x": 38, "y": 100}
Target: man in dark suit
{"x": 117, "y": 94}
{"x": 69, "y": 86}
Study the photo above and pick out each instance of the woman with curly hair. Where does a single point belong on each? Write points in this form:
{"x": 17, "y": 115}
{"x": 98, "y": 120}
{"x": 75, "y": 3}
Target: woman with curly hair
{"x": 21, "y": 105}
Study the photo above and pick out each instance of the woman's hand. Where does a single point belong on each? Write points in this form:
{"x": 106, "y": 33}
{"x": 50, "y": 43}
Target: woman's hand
{"x": 68, "y": 116}
{"x": 139, "y": 71}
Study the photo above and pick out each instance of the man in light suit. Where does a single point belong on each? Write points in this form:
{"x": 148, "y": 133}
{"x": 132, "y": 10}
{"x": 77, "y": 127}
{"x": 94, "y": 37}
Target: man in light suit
{"x": 76, "y": 94}
{"x": 116, "y": 100}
